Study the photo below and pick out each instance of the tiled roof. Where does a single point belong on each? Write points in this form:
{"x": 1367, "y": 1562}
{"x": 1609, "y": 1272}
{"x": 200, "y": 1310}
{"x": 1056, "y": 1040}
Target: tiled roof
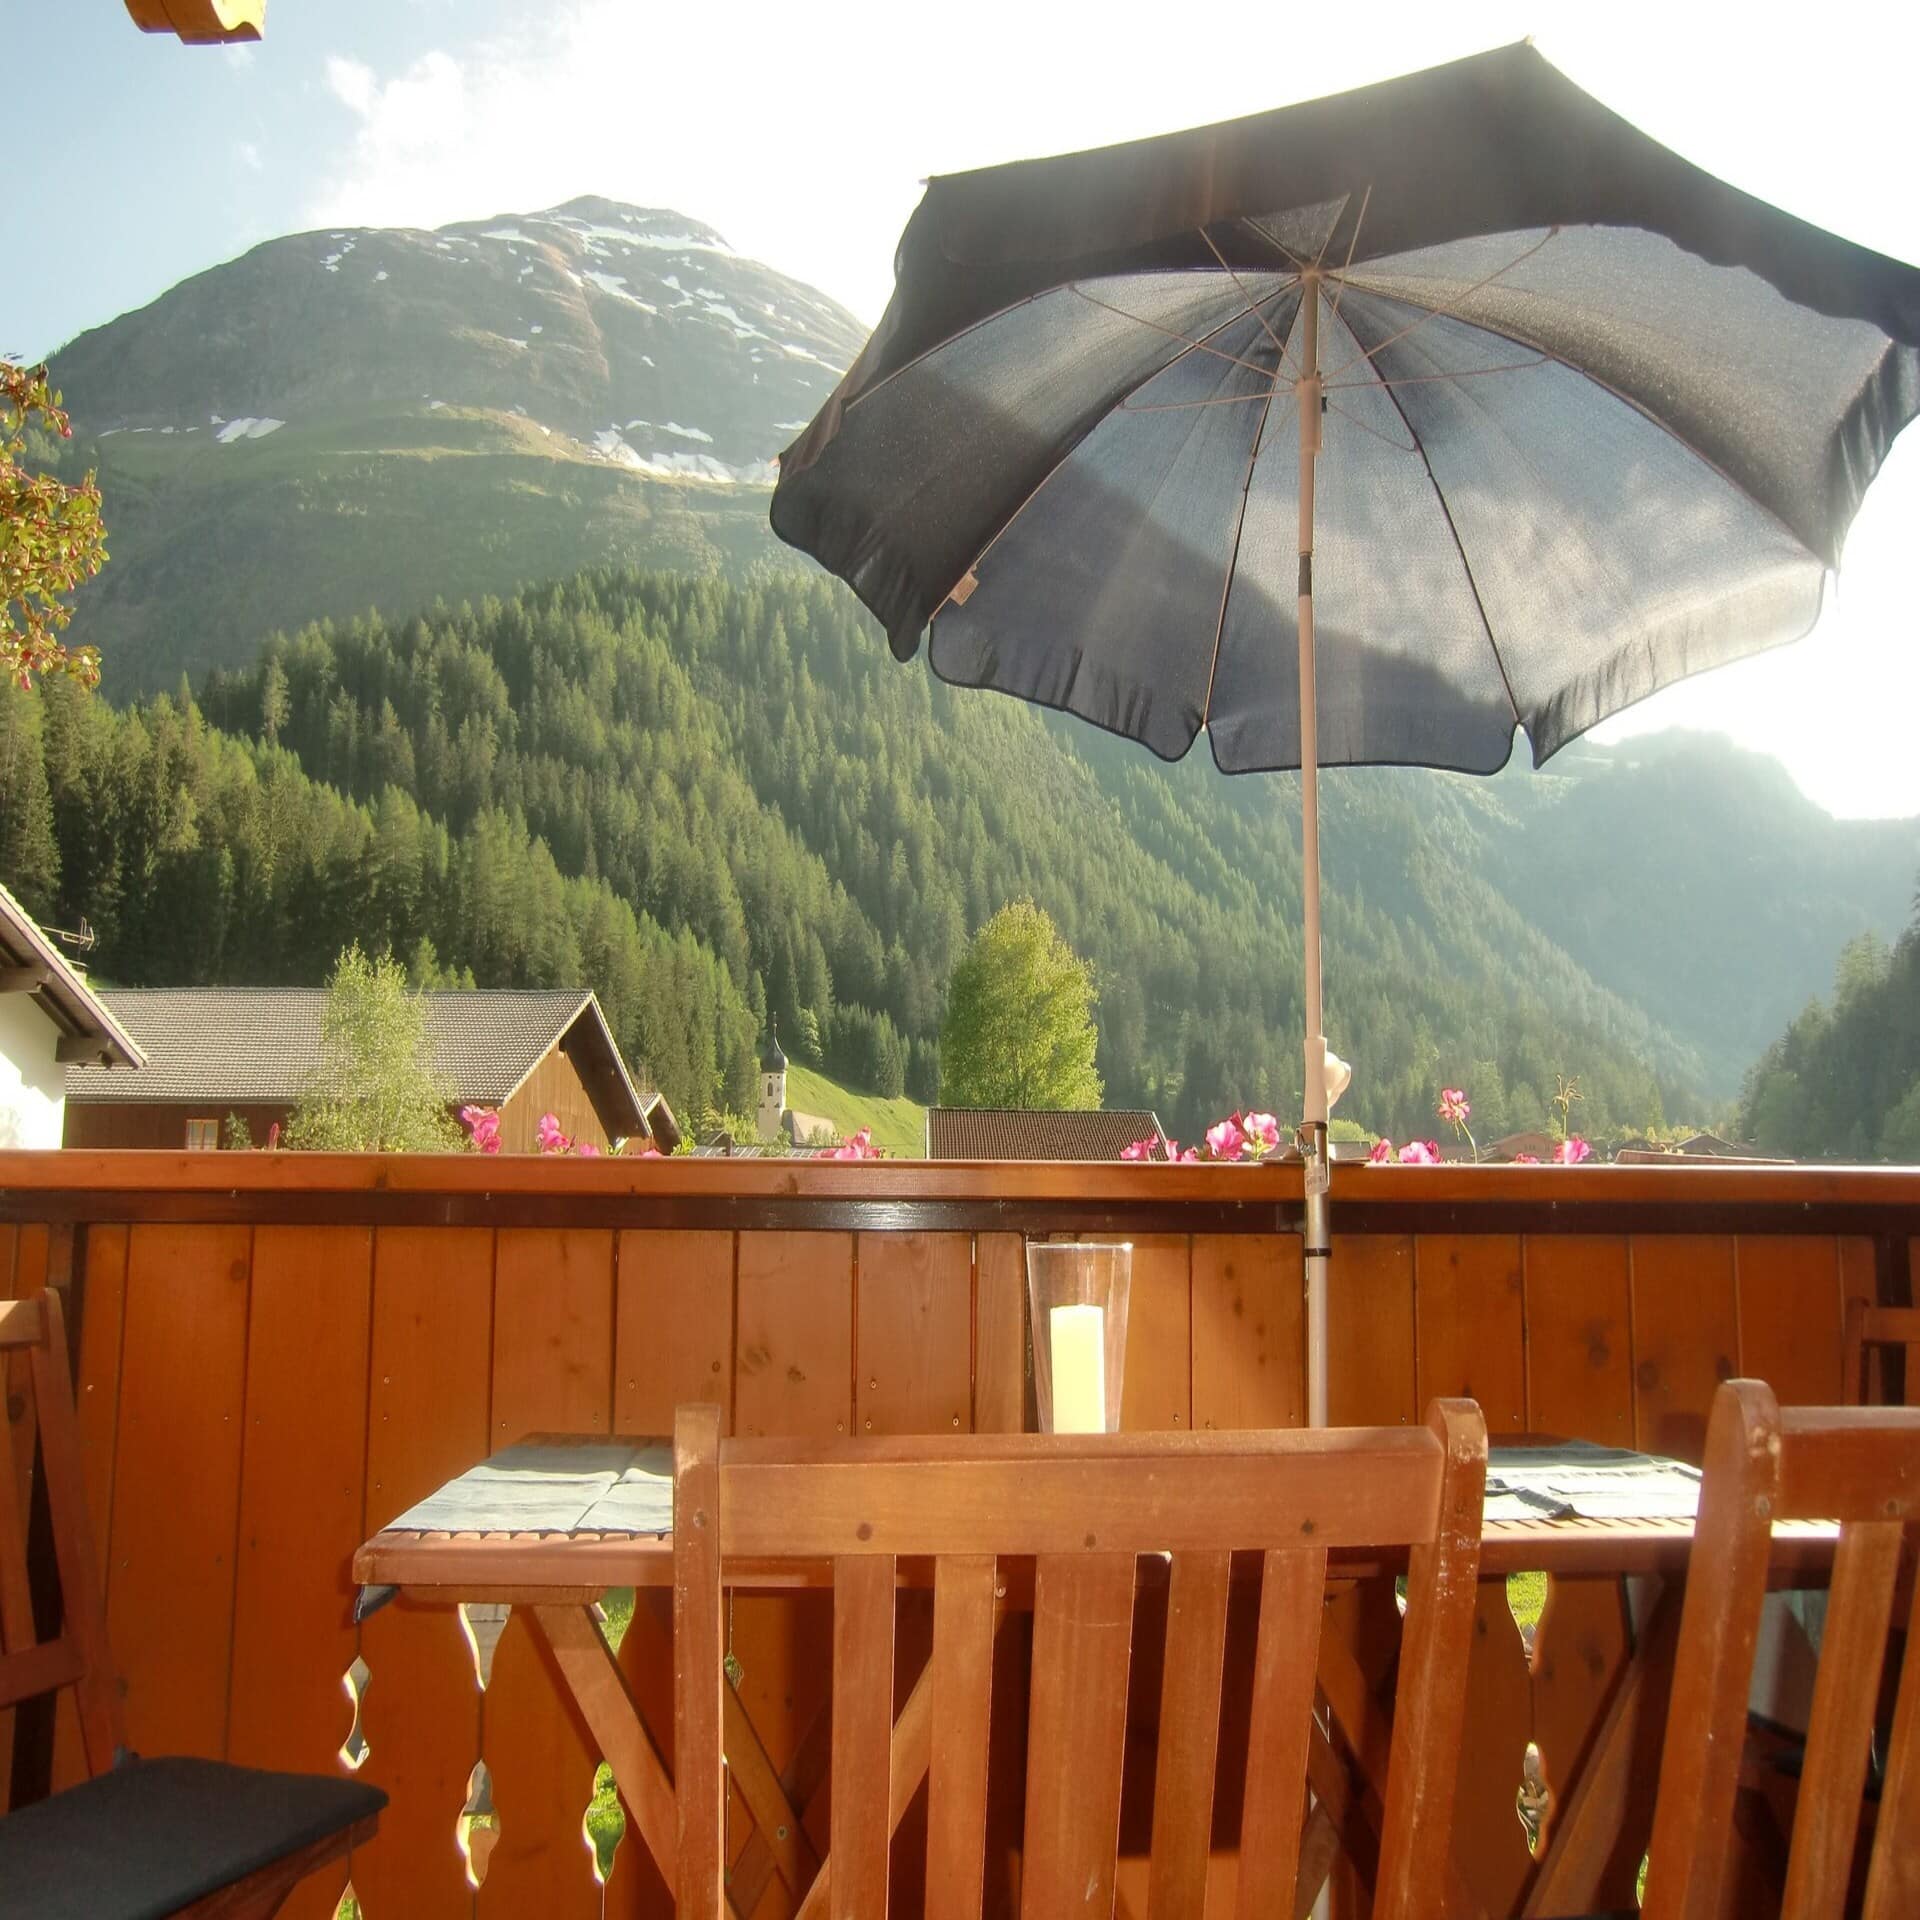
{"x": 258, "y": 1046}
{"x": 75, "y": 1009}
{"x": 1001, "y": 1133}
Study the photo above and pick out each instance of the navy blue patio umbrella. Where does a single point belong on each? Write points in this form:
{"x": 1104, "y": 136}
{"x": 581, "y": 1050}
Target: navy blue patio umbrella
{"x": 1365, "y": 431}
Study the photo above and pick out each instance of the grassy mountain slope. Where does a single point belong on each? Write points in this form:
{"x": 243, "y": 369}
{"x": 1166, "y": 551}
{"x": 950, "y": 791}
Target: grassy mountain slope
{"x": 899, "y": 1125}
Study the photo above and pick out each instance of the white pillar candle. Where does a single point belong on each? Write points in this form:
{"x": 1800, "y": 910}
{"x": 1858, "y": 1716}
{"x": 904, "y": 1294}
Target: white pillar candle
{"x": 1079, "y": 1370}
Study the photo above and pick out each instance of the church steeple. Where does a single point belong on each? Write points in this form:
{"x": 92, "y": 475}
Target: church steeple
{"x": 773, "y": 1084}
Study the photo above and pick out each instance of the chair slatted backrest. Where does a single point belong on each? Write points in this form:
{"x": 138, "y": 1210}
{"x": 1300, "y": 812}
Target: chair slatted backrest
{"x": 1871, "y": 1331}
{"x": 1082, "y": 1510}
{"x": 1859, "y": 1466}
{"x": 78, "y": 1656}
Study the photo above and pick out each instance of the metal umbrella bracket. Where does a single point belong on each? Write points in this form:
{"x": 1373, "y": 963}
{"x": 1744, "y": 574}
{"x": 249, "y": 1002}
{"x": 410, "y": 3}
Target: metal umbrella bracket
{"x": 1571, "y": 419}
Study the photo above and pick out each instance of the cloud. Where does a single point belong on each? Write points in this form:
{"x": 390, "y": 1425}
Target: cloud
{"x": 352, "y": 82}
{"x": 250, "y": 158}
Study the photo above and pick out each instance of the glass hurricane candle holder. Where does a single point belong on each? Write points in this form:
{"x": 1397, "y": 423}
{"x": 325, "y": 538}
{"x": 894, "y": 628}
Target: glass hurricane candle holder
{"x": 1077, "y": 1291}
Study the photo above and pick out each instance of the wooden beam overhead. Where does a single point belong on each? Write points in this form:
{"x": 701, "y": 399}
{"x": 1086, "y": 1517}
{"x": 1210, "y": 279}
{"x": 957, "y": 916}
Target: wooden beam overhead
{"x": 82, "y": 1050}
{"x": 202, "y": 22}
{"x": 24, "y": 979}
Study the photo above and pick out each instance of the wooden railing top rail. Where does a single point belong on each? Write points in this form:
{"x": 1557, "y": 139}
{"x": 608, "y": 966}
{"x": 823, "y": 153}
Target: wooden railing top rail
{"x": 945, "y": 1195}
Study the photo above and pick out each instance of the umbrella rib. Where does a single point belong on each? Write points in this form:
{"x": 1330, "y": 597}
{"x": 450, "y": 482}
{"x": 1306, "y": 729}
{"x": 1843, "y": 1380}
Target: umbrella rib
{"x": 1427, "y": 313}
{"x": 1173, "y": 333}
{"x": 1279, "y": 345}
{"x": 1353, "y": 247}
{"x": 1067, "y": 453}
{"x": 1453, "y": 532}
{"x": 1233, "y": 557}
{"x": 1549, "y": 357}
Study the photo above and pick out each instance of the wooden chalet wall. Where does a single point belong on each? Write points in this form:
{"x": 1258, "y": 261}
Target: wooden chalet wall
{"x": 279, "y": 1353}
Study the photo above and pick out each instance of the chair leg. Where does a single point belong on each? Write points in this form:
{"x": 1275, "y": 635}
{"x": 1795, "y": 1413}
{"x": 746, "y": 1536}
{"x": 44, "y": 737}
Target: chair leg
{"x": 261, "y": 1895}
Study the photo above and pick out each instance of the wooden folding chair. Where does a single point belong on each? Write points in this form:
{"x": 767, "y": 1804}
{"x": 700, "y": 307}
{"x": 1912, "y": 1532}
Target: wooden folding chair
{"x": 1859, "y": 1466}
{"x": 1873, "y": 1330}
{"x": 140, "y": 1837}
{"x": 1080, "y": 1511}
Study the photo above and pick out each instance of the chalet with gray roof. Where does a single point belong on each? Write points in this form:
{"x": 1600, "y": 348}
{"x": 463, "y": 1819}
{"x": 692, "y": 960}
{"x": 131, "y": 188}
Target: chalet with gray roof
{"x": 251, "y": 1052}
{"x": 49, "y": 1018}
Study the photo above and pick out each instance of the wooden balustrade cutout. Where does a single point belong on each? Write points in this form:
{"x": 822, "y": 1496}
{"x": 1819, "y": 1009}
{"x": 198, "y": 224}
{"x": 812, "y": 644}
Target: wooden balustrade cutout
{"x": 603, "y": 1825}
{"x": 1534, "y": 1801}
{"x": 477, "y": 1831}
{"x": 348, "y": 1906}
{"x": 353, "y": 1683}
{"x": 483, "y": 1622}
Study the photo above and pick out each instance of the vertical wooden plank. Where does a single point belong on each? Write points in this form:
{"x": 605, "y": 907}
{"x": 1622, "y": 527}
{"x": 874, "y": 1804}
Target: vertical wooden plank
{"x": 1189, "y": 1734}
{"x": 302, "y": 1499}
{"x": 1370, "y": 1351}
{"x": 914, "y": 1342}
{"x": 698, "y": 1682}
{"x": 1686, "y": 1338}
{"x": 1859, "y": 1282}
{"x": 673, "y": 1328}
{"x": 432, "y": 1344}
{"x": 1000, "y": 1333}
{"x": 862, "y": 1736}
{"x": 1158, "y": 1393}
{"x": 1579, "y": 1337}
{"x": 794, "y": 1364}
{"x": 1082, "y": 1637}
{"x": 1840, "y": 1733}
{"x": 673, "y": 1347}
{"x": 1249, "y": 1331}
{"x": 1470, "y": 1315}
{"x": 962, "y": 1682}
{"x": 552, "y": 1373}
{"x": 1792, "y": 1317}
{"x": 552, "y": 1332}
{"x": 1580, "y": 1384}
{"x": 170, "y": 1587}
{"x": 97, "y": 1411}
{"x": 1470, "y": 1318}
{"x": 793, "y": 1376}
{"x": 1292, "y": 1595}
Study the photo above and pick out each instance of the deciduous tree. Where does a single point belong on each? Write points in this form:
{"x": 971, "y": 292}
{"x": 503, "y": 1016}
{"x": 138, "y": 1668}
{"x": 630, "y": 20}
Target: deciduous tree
{"x": 374, "y": 1090}
{"x": 1019, "y": 1030}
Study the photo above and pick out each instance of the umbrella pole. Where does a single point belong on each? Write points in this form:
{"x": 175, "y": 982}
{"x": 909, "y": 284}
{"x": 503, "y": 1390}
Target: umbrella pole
{"x": 1318, "y": 1247}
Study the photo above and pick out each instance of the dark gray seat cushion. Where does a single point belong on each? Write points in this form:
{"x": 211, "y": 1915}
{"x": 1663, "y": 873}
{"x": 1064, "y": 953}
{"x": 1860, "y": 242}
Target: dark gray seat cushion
{"x": 148, "y": 1837}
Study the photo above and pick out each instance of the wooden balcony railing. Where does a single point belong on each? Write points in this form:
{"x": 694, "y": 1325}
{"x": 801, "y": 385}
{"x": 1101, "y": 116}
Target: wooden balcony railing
{"x": 278, "y": 1352}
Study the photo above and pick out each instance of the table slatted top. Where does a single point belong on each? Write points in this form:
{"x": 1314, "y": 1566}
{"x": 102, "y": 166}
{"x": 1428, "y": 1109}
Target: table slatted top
{"x": 566, "y": 1511}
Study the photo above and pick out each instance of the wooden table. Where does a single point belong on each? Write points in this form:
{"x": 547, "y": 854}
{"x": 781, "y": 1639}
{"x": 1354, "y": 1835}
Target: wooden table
{"x": 550, "y": 1524}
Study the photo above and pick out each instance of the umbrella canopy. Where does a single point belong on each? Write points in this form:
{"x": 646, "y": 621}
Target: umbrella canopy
{"x": 1365, "y": 431}
{"x": 1594, "y": 421}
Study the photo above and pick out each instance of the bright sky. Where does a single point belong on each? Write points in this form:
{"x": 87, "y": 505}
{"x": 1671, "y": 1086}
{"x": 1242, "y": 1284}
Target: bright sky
{"x": 802, "y": 133}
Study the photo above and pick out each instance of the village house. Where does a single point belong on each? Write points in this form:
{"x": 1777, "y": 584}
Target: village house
{"x": 216, "y": 1055}
{"x": 49, "y": 1018}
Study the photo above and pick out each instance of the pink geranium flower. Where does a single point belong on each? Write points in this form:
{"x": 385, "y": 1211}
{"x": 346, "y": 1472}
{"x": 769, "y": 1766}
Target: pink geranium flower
{"x": 1454, "y": 1106}
{"x": 1186, "y": 1158}
{"x": 1225, "y": 1141}
{"x": 587, "y": 1150}
{"x": 1382, "y": 1154}
{"x": 1526, "y": 1159}
{"x": 551, "y": 1139}
{"x": 1139, "y": 1150}
{"x": 1262, "y": 1131}
{"x": 483, "y": 1128}
{"x": 860, "y": 1147}
{"x": 1420, "y": 1153}
{"x": 649, "y": 1152}
{"x": 1570, "y": 1152}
